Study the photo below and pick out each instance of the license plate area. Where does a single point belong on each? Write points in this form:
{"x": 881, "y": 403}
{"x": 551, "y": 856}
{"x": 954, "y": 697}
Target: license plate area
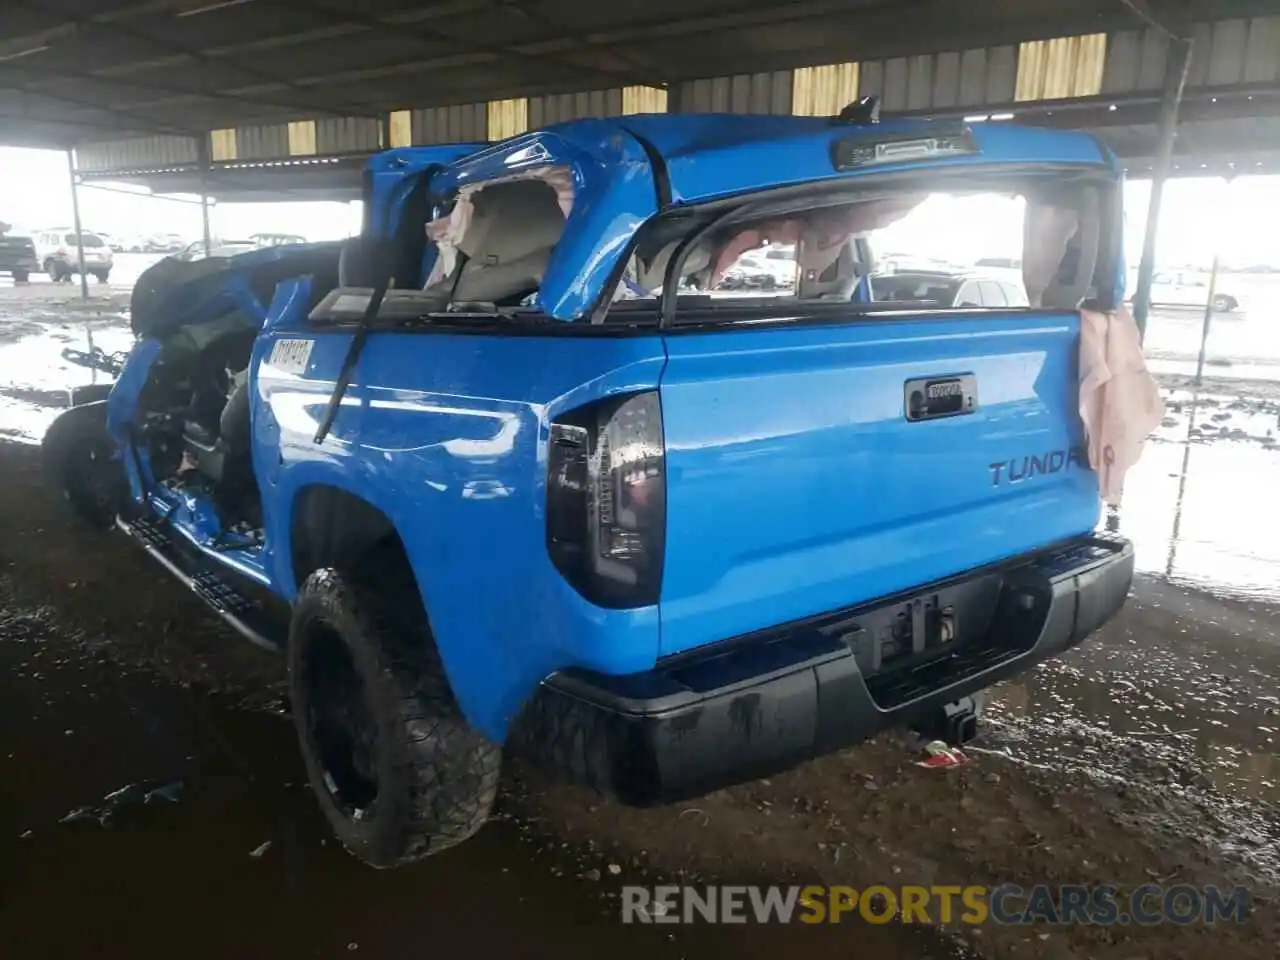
{"x": 908, "y": 632}
{"x": 930, "y": 398}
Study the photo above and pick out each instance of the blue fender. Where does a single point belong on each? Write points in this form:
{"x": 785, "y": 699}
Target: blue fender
{"x": 446, "y": 435}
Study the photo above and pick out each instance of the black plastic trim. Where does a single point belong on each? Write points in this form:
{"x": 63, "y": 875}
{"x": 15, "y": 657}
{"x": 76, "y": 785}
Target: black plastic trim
{"x": 241, "y": 612}
{"x": 717, "y": 320}
{"x": 746, "y": 708}
{"x": 661, "y": 175}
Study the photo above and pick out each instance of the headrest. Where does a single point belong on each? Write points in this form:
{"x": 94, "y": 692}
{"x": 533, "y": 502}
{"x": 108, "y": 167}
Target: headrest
{"x": 511, "y": 221}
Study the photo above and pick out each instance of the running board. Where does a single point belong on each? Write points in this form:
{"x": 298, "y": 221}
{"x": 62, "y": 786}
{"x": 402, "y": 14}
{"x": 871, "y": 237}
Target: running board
{"x": 211, "y": 585}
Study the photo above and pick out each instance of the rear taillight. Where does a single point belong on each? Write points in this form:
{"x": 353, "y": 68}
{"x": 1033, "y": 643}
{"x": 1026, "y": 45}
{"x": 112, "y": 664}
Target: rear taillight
{"x": 606, "y": 500}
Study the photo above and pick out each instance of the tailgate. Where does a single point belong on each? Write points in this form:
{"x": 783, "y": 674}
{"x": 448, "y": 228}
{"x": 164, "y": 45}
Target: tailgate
{"x": 803, "y": 477}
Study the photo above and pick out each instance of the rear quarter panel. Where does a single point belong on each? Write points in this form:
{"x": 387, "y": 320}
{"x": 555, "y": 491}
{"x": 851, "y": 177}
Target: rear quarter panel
{"x": 446, "y": 435}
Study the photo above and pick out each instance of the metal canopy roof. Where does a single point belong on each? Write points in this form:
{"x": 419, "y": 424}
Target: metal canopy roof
{"x": 324, "y": 178}
{"x": 1224, "y": 131}
{"x": 79, "y": 70}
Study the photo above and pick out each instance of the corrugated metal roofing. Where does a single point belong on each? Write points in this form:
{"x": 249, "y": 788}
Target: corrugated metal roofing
{"x": 74, "y": 71}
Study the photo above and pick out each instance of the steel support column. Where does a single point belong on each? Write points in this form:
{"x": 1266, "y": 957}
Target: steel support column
{"x": 1175, "y": 79}
{"x": 1208, "y": 319}
{"x": 75, "y": 214}
{"x": 206, "y": 162}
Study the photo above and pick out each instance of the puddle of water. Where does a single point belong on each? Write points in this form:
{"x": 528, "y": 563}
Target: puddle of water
{"x": 1176, "y": 701}
{"x": 1117, "y": 721}
{"x": 1199, "y": 505}
{"x": 35, "y": 380}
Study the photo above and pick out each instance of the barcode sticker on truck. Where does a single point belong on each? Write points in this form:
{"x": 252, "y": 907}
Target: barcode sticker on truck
{"x": 291, "y": 356}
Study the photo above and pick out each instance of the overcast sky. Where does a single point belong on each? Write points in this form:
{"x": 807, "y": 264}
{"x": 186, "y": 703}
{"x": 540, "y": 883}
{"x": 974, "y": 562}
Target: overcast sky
{"x": 1239, "y": 218}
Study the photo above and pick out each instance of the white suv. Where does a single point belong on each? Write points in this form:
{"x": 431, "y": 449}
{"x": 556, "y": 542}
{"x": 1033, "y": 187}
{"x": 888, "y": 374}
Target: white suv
{"x": 59, "y": 258}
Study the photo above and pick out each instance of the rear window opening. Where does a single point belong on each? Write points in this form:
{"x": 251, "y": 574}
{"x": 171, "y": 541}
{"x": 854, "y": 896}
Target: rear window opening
{"x": 494, "y": 242}
{"x": 484, "y": 254}
{"x": 990, "y": 240}
{"x": 1039, "y": 245}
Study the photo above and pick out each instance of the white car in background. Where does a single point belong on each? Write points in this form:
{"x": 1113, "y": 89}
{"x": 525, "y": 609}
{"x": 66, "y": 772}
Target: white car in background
{"x": 59, "y": 257}
{"x": 1008, "y": 269}
{"x": 912, "y": 263}
{"x": 1178, "y": 288}
{"x": 769, "y": 268}
{"x": 217, "y": 248}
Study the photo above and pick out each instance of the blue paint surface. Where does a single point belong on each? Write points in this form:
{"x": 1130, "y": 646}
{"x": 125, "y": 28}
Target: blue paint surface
{"x": 795, "y": 485}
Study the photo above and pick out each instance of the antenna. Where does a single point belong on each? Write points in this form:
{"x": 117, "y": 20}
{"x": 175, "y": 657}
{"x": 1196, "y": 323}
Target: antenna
{"x": 862, "y": 110}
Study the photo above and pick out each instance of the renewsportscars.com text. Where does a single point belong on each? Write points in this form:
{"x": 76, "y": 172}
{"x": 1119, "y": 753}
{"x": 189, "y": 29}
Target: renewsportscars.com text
{"x": 1004, "y": 904}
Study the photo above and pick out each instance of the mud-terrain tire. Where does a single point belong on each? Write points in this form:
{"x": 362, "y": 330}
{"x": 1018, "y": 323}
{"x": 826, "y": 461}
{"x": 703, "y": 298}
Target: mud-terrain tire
{"x": 398, "y": 771}
{"x": 78, "y": 460}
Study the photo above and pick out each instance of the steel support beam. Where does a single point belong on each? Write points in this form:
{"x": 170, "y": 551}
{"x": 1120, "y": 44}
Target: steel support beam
{"x": 75, "y": 214}
{"x": 1208, "y": 319}
{"x": 1175, "y": 80}
{"x": 205, "y": 156}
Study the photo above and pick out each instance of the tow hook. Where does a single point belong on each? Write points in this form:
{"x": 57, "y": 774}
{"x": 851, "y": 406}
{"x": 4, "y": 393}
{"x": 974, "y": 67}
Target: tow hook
{"x": 953, "y": 723}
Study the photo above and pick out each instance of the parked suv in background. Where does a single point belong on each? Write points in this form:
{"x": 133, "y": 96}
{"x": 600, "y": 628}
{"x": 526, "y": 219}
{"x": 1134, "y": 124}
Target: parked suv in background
{"x": 17, "y": 255}
{"x": 59, "y": 258}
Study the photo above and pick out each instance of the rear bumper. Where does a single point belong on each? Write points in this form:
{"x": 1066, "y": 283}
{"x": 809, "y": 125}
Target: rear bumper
{"x": 751, "y": 707}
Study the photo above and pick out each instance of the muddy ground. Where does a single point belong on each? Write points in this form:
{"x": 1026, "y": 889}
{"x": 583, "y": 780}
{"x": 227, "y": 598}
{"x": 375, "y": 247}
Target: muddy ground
{"x": 1148, "y": 755}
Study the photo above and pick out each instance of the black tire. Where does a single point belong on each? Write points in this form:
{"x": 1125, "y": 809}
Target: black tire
{"x": 89, "y": 393}
{"x": 398, "y": 771}
{"x": 78, "y": 459}
{"x": 1223, "y": 303}
{"x": 21, "y": 276}
{"x": 101, "y": 275}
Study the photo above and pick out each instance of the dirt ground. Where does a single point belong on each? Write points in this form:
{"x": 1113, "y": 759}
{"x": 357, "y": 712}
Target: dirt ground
{"x": 1147, "y": 756}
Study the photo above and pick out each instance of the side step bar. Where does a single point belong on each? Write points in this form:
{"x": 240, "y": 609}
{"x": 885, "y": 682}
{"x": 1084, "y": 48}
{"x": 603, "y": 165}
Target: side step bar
{"x": 242, "y": 613}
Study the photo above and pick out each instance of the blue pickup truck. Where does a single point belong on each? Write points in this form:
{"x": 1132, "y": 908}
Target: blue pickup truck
{"x": 500, "y": 476}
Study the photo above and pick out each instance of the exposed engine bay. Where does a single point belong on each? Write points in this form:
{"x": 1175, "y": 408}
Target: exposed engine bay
{"x": 194, "y": 418}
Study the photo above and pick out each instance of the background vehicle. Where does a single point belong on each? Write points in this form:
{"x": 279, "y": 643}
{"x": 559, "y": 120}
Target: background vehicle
{"x": 217, "y": 248}
{"x": 1185, "y": 288}
{"x": 276, "y": 239}
{"x": 896, "y": 262}
{"x": 59, "y": 258}
{"x": 17, "y": 254}
{"x": 948, "y": 289}
{"x": 771, "y": 268}
{"x": 715, "y": 538}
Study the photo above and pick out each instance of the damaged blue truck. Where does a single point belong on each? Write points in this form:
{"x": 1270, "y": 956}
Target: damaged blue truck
{"x": 501, "y": 476}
